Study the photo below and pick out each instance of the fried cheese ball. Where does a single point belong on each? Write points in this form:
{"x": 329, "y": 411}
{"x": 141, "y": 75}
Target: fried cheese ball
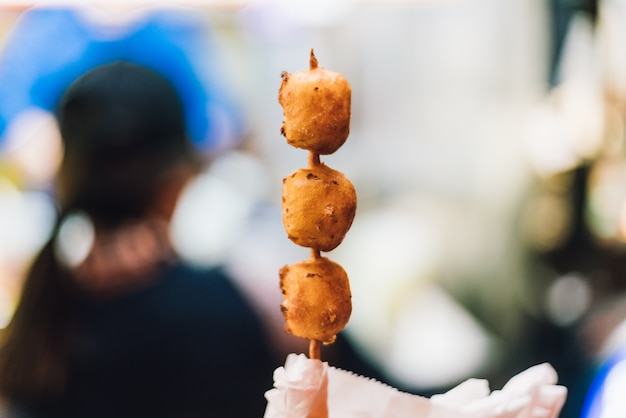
{"x": 316, "y": 107}
{"x": 317, "y": 301}
{"x": 319, "y": 205}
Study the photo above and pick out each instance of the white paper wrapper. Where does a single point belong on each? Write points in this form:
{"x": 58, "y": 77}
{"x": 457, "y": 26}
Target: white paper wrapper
{"x": 311, "y": 389}
{"x": 300, "y": 389}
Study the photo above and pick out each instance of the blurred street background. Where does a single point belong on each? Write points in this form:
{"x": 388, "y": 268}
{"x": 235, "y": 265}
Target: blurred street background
{"x": 487, "y": 148}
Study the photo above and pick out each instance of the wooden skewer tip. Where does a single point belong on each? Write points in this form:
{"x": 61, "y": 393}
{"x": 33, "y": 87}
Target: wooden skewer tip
{"x": 312, "y": 61}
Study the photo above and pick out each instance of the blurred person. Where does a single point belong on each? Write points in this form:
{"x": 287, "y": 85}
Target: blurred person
{"x": 111, "y": 323}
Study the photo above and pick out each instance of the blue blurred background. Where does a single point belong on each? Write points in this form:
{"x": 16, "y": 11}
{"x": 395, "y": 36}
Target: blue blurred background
{"x": 486, "y": 148}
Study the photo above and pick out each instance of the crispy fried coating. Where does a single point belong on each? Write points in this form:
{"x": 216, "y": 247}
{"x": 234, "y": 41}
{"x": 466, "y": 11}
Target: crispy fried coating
{"x": 316, "y": 108}
{"x": 319, "y": 205}
{"x": 317, "y": 301}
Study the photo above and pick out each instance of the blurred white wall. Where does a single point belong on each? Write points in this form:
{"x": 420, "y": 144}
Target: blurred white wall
{"x": 441, "y": 96}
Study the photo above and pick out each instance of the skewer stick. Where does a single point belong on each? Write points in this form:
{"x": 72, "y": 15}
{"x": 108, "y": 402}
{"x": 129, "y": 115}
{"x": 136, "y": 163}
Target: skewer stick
{"x": 315, "y": 349}
{"x": 312, "y": 60}
{"x": 314, "y": 159}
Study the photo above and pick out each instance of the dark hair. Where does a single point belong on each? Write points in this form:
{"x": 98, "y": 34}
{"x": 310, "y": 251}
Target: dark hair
{"x": 122, "y": 127}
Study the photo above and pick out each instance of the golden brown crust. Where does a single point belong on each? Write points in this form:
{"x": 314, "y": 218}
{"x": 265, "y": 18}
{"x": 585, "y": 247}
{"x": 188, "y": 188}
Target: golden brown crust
{"x": 317, "y": 300}
{"x": 319, "y": 205}
{"x": 316, "y": 108}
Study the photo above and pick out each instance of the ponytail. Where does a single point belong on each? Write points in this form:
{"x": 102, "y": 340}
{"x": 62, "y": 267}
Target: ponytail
{"x": 33, "y": 352}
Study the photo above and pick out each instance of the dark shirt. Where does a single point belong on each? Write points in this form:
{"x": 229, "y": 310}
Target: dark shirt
{"x": 187, "y": 346}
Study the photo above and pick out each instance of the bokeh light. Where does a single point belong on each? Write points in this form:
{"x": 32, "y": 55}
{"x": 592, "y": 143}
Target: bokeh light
{"x": 490, "y": 172}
